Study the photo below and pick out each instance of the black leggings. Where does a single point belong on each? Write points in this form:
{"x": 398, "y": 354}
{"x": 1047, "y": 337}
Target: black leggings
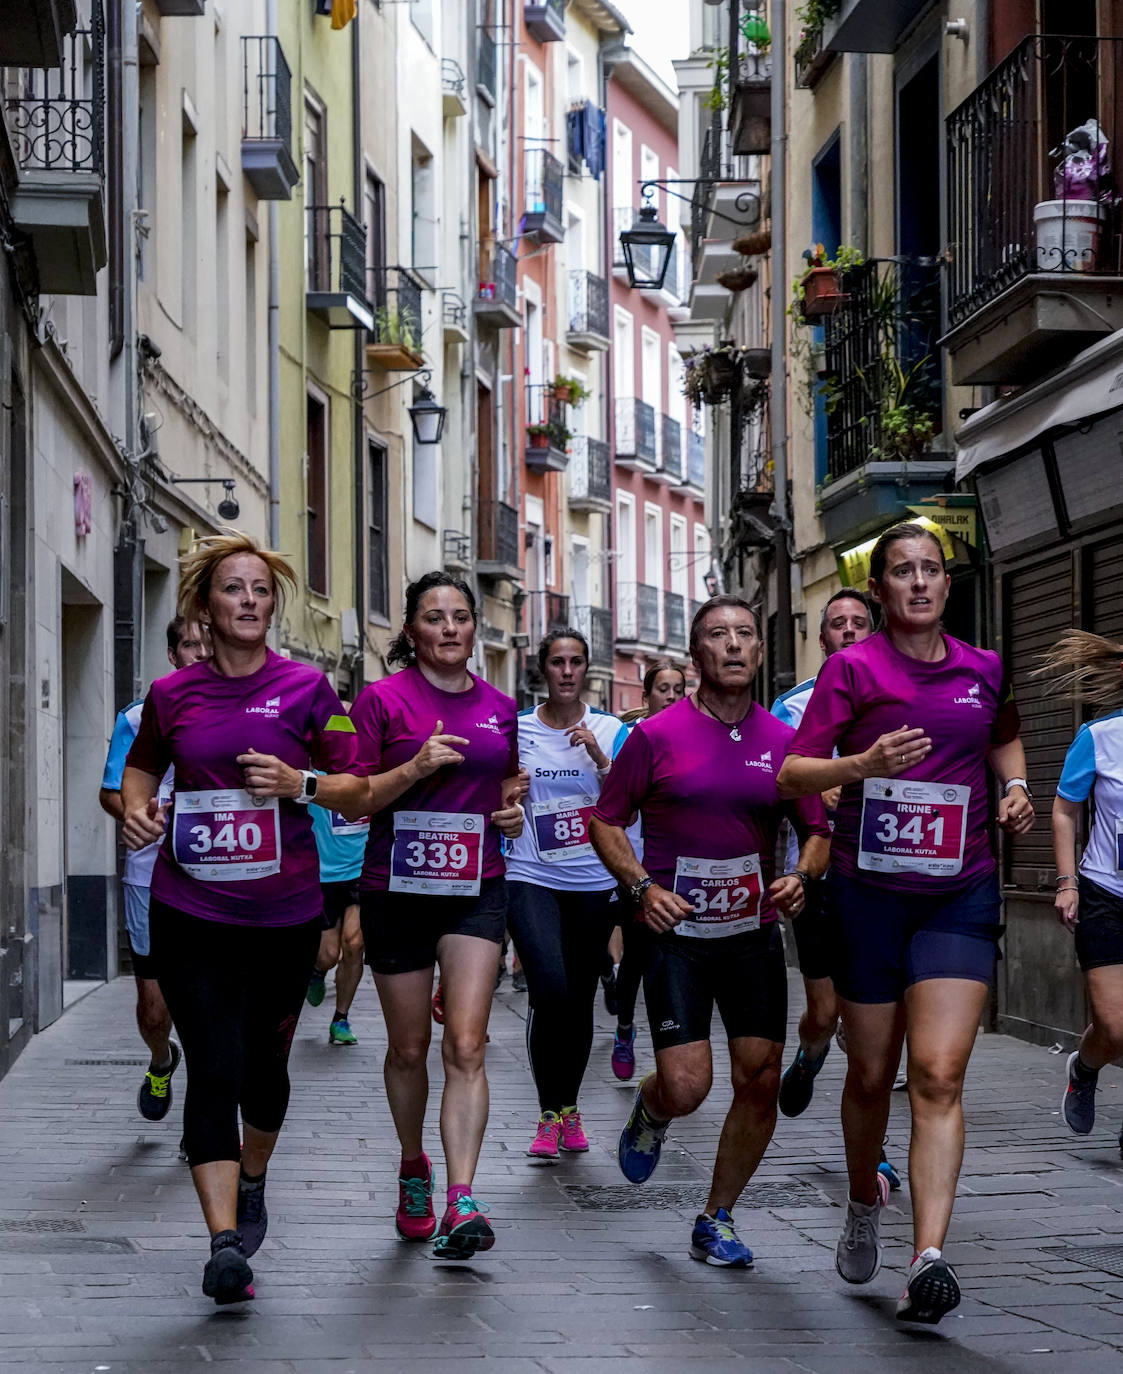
{"x": 235, "y": 994}
{"x": 633, "y": 961}
{"x": 560, "y": 939}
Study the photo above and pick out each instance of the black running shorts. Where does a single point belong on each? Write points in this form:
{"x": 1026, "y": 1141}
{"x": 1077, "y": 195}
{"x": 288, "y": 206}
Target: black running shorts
{"x": 401, "y": 930}
{"x": 1099, "y": 931}
{"x": 813, "y": 946}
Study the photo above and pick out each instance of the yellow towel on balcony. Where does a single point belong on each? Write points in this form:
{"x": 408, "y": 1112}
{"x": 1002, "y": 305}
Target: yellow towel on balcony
{"x": 342, "y": 12}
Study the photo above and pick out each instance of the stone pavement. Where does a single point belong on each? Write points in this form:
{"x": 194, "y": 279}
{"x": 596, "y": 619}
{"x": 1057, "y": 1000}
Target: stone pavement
{"x": 102, "y": 1243}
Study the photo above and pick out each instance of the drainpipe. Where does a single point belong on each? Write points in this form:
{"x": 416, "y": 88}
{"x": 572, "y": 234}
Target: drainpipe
{"x": 784, "y": 666}
{"x": 273, "y": 343}
{"x": 358, "y": 664}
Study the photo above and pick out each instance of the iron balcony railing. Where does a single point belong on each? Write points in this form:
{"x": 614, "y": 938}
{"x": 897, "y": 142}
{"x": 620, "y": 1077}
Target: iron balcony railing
{"x": 545, "y": 178}
{"x": 452, "y": 76}
{"x": 397, "y": 301}
{"x": 881, "y": 355}
{"x": 635, "y": 429}
{"x": 266, "y": 91}
{"x": 485, "y": 64}
{"x": 672, "y": 448}
{"x": 696, "y": 459}
{"x": 590, "y": 470}
{"x": 502, "y": 283}
{"x": 599, "y": 635}
{"x": 454, "y": 313}
{"x": 497, "y": 534}
{"x": 647, "y": 610}
{"x": 588, "y": 303}
{"x": 545, "y": 612}
{"x": 1006, "y": 157}
{"x": 715, "y": 163}
{"x": 674, "y": 618}
{"x": 56, "y": 115}
{"x": 337, "y": 247}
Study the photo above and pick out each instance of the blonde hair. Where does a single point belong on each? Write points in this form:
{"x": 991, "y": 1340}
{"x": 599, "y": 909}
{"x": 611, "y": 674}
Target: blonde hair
{"x": 198, "y": 564}
{"x": 1089, "y": 667}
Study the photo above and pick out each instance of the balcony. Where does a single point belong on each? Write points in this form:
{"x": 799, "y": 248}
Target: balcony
{"x": 595, "y": 623}
{"x": 674, "y": 621}
{"x": 1034, "y": 277}
{"x": 670, "y": 467}
{"x": 543, "y": 216}
{"x": 497, "y": 541}
{"x": 395, "y": 343}
{"x": 497, "y": 300}
{"x": 588, "y": 313}
{"x": 638, "y": 620}
{"x": 336, "y": 265}
{"x": 695, "y": 475}
{"x": 485, "y": 67}
{"x": 547, "y": 434}
{"x": 546, "y": 22}
{"x": 811, "y": 59}
{"x": 590, "y": 474}
{"x": 454, "y": 317}
{"x": 871, "y": 25}
{"x": 34, "y": 31}
{"x": 267, "y": 161}
{"x": 454, "y": 99}
{"x": 55, "y": 119}
{"x": 544, "y": 613}
{"x": 635, "y": 434}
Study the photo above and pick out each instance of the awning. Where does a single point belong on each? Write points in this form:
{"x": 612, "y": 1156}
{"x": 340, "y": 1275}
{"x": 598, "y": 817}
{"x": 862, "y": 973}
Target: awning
{"x": 1090, "y": 385}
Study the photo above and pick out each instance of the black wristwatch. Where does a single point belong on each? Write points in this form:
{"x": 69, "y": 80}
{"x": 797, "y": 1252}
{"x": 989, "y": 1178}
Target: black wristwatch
{"x": 802, "y": 874}
{"x": 307, "y": 787}
{"x": 638, "y": 888}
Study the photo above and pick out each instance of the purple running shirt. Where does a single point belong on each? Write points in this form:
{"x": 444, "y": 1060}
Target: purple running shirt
{"x": 703, "y": 795}
{"x": 927, "y": 832}
{"x": 393, "y": 718}
{"x": 226, "y": 857}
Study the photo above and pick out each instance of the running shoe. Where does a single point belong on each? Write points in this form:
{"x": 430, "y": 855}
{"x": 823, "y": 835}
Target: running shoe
{"x": 464, "y": 1230}
{"x": 415, "y": 1218}
{"x": 544, "y": 1146}
{"x": 840, "y": 1035}
{"x": 315, "y": 994}
{"x": 573, "y": 1137}
{"x": 1078, "y": 1106}
{"x": 932, "y": 1290}
{"x": 340, "y": 1032}
{"x": 858, "y": 1254}
{"x": 439, "y": 1005}
{"x": 715, "y": 1241}
{"x": 624, "y": 1053}
{"x": 518, "y": 981}
{"x": 641, "y": 1140}
{"x": 253, "y": 1216}
{"x": 608, "y": 983}
{"x": 183, "y": 1150}
{"x": 889, "y": 1172}
{"x": 228, "y": 1276}
{"x": 798, "y": 1083}
{"x": 154, "y": 1097}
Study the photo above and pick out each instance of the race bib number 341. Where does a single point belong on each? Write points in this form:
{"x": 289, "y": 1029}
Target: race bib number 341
{"x": 438, "y": 852}
{"x": 227, "y": 836}
{"x": 912, "y": 827}
{"x": 724, "y": 895}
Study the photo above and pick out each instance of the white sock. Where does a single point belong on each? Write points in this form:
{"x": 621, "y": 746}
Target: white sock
{"x": 930, "y": 1253}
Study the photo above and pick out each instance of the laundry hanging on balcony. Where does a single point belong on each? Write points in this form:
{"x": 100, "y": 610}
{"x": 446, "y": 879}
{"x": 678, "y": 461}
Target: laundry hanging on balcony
{"x": 586, "y": 136}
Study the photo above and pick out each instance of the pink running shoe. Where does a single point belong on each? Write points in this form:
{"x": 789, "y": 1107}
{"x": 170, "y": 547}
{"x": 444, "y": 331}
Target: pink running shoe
{"x": 624, "y": 1054}
{"x": 415, "y": 1218}
{"x": 544, "y": 1146}
{"x": 464, "y": 1230}
{"x": 573, "y": 1137}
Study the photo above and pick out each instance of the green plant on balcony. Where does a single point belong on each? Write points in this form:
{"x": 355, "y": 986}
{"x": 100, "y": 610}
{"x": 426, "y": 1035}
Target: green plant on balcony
{"x": 712, "y": 374}
{"x": 824, "y": 276}
{"x": 550, "y": 435}
{"x": 907, "y": 427}
{"x": 569, "y": 390}
{"x": 813, "y": 17}
{"x": 396, "y": 327}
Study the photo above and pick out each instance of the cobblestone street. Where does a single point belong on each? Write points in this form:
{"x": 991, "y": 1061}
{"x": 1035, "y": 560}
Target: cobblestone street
{"x": 102, "y": 1243}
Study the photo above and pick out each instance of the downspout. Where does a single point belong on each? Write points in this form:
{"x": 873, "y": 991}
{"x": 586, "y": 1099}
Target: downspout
{"x": 273, "y": 343}
{"x": 358, "y": 662}
{"x": 784, "y": 667}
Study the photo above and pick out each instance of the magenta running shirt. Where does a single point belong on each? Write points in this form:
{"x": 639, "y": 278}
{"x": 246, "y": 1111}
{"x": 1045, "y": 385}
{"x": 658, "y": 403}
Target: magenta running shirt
{"x": 887, "y": 834}
{"x": 227, "y": 858}
{"x": 394, "y": 717}
{"x": 703, "y": 795}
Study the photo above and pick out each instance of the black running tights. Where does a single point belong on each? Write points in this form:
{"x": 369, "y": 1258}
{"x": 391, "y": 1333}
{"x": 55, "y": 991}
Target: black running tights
{"x": 633, "y": 961}
{"x": 235, "y": 994}
{"x": 560, "y": 939}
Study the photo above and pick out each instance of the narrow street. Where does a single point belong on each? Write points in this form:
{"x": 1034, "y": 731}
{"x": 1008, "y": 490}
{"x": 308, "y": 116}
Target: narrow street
{"x": 102, "y": 1242}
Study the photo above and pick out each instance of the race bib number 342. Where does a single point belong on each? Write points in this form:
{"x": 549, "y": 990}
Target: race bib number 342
{"x": 912, "y": 827}
{"x": 226, "y": 836}
{"x": 438, "y": 852}
{"x": 724, "y": 895}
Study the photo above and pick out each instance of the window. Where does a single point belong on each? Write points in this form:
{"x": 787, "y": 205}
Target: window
{"x": 316, "y": 190}
{"x": 424, "y": 208}
{"x": 679, "y": 563}
{"x": 574, "y": 76}
{"x": 374, "y": 206}
{"x": 222, "y": 283}
{"x": 623, "y": 191}
{"x": 316, "y": 494}
{"x": 652, "y": 545}
{"x": 189, "y": 219}
{"x": 623, "y": 356}
{"x": 251, "y": 325}
{"x": 378, "y": 563}
{"x": 701, "y": 561}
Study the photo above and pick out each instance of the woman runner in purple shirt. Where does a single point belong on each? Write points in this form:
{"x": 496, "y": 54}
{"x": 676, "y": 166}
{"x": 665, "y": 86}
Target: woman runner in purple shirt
{"x": 236, "y": 907}
{"x": 438, "y": 751}
{"x": 916, "y": 717}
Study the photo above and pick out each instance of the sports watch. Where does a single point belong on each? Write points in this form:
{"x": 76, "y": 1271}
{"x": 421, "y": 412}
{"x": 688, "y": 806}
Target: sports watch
{"x": 639, "y": 887}
{"x": 307, "y": 787}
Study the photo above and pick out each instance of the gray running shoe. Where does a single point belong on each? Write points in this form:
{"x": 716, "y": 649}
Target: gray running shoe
{"x": 858, "y": 1254}
{"x": 1078, "y": 1106}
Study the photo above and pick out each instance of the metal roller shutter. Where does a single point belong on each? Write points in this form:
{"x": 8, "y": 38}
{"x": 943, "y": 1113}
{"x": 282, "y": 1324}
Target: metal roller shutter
{"x": 1105, "y": 585}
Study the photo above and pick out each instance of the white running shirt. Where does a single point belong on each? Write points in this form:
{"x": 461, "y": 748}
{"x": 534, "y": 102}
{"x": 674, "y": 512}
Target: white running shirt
{"x": 1094, "y": 766}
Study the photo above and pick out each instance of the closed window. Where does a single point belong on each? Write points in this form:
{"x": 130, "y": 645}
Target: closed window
{"x": 378, "y": 563}
{"x": 316, "y": 495}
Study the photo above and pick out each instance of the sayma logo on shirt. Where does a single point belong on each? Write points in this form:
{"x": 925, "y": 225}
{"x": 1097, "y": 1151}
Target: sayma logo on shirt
{"x": 272, "y": 708}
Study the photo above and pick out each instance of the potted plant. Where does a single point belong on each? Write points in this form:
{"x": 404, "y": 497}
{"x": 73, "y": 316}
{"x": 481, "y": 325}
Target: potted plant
{"x": 558, "y": 436}
{"x": 819, "y": 292}
{"x": 752, "y": 245}
{"x": 758, "y": 363}
{"x": 538, "y": 436}
{"x": 738, "y": 278}
{"x": 712, "y": 374}
{"x": 394, "y": 346}
{"x": 568, "y": 390}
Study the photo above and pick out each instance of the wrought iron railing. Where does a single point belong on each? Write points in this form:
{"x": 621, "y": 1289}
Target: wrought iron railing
{"x": 337, "y": 249}
{"x": 1004, "y": 146}
{"x": 807, "y": 54}
{"x": 588, "y": 303}
{"x": 397, "y": 301}
{"x": 672, "y": 448}
{"x": 544, "y": 408}
{"x": 498, "y": 533}
{"x": 881, "y": 355}
{"x": 674, "y": 620}
{"x": 56, "y": 116}
{"x": 485, "y": 64}
{"x": 590, "y": 470}
{"x": 266, "y": 91}
{"x": 543, "y": 613}
{"x": 599, "y": 635}
{"x": 454, "y": 313}
{"x": 635, "y": 429}
{"x": 452, "y": 76}
{"x": 502, "y": 283}
{"x": 545, "y": 179}
{"x": 696, "y": 459}
{"x": 715, "y": 163}
{"x": 647, "y": 609}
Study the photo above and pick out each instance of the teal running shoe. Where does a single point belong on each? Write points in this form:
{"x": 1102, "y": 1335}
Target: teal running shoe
{"x": 315, "y": 994}
{"x": 340, "y": 1032}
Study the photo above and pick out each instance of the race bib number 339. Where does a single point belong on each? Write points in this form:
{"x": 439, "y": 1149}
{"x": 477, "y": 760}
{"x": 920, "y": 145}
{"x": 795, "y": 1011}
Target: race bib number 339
{"x": 724, "y": 895}
{"x": 227, "y": 836}
{"x": 438, "y": 852}
{"x": 912, "y": 827}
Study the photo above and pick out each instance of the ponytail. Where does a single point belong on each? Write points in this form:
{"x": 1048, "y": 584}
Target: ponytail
{"x": 1088, "y": 666}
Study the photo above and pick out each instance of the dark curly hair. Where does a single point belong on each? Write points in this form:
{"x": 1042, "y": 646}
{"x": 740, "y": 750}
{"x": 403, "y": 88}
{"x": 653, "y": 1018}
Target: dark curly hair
{"x": 401, "y": 651}
{"x": 550, "y": 639}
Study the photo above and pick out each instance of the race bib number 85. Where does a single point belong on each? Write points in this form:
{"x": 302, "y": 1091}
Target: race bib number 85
{"x": 227, "y": 836}
{"x": 438, "y": 852}
{"x": 912, "y": 827}
{"x": 561, "y": 828}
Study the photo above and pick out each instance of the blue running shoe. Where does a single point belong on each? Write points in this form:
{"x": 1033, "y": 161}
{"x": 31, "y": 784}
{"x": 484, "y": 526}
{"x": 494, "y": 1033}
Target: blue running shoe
{"x": 798, "y": 1082}
{"x": 1078, "y": 1106}
{"x": 640, "y": 1142}
{"x": 715, "y": 1241}
{"x": 890, "y": 1173}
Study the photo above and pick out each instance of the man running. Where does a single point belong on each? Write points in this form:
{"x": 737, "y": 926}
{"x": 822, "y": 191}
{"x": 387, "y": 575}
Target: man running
{"x": 702, "y": 775}
{"x": 846, "y": 620}
{"x": 186, "y": 645}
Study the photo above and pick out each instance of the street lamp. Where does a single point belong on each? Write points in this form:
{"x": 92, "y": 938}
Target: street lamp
{"x": 655, "y": 242}
{"x": 428, "y": 416}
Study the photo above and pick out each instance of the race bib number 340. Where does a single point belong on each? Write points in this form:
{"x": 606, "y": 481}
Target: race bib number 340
{"x": 438, "y": 852}
{"x": 912, "y": 827}
{"x": 227, "y": 836}
{"x": 724, "y": 895}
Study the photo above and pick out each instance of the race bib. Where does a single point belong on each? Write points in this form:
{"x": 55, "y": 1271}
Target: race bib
{"x": 439, "y": 852}
{"x": 724, "y": 895}
{"x": 561, "y": 828}
{"x": 340, "y": 825}
{"x": 912, "y": 827}
{"x": 227, "y": 836}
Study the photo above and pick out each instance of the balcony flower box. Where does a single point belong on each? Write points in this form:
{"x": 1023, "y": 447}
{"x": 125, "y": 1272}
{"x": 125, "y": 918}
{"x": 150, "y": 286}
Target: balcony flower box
{"x": 758, "y": 363}
{"x": 538, "y": 436}
{"x": 822, "y": 293}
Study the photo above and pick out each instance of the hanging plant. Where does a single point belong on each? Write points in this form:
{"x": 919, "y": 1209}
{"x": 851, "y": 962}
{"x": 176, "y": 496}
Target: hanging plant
{"x": 754, "y": 244}
{"x": 738, "y": 278}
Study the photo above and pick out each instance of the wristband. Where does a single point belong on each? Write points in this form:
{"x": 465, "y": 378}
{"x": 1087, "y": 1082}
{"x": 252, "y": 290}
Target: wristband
{"x": 638, "y": 888}
{"x": 800, "y": 873}
{"x": 1016, "y": 782}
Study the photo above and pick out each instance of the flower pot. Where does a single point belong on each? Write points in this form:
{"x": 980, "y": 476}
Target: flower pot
{"x": 563, "y": 395}
{"x": 1068, "y": 234}
{"x": 752, "y": 245}
{"x": 822, "y": 293}
{"x": 538, "y": 440}
{"x": 738, "y": 278}
{"x": 758, "y": 363}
